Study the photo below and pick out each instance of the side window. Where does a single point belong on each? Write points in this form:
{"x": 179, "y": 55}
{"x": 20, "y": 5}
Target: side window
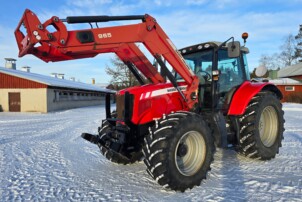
{"x": 230, "y": 71}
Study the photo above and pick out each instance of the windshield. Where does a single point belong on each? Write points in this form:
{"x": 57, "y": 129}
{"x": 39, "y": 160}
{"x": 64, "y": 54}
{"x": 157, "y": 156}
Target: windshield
{"x": 231, "y": 71}
{"x": 199, "y": 62}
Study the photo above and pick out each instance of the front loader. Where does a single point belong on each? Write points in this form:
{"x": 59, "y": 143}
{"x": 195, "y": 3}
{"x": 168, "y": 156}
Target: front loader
{"x": 175, "y": 119}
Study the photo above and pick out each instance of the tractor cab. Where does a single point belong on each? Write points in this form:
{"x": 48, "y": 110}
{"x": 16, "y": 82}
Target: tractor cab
{"x": 219, "y": 73}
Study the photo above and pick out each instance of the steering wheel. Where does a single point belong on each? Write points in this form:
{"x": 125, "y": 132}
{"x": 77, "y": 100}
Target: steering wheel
{"x": 206, "y": 75}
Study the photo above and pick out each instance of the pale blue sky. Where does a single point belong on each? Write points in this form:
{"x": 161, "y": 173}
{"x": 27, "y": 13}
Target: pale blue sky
{"x": 186, "y": 22}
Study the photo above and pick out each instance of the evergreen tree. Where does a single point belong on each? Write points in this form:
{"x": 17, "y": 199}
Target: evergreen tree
{"x": 298, "y": 51}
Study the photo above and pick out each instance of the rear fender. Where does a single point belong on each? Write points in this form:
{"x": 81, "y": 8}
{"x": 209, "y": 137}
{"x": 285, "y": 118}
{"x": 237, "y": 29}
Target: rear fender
{"x": 246, "y": 92}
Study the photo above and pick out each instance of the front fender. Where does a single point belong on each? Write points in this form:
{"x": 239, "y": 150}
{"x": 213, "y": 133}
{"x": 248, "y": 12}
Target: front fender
{"x": 246, "y": 92}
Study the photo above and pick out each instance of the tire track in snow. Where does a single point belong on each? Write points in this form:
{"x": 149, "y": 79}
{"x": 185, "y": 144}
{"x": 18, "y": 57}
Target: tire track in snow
{"x": 46, "y": 160}
{"x": 40, "y": 172}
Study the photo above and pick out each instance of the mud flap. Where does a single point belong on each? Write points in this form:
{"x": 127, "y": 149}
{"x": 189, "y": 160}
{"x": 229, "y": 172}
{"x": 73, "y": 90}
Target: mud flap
{"x": 218, "y": 125}
{"x": 220, "y": 131}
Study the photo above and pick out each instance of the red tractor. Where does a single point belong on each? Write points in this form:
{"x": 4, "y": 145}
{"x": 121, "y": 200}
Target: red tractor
{"x": 174, "y": 119}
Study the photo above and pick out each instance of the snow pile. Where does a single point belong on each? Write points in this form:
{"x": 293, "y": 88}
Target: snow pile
{"x": 43, "y": 158}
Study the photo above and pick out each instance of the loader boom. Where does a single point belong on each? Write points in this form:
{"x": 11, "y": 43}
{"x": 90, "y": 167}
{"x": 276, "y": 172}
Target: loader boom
{"x": 64, "y": 45}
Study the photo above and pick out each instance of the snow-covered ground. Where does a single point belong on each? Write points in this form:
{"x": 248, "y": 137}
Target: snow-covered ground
{"x": 43, "y": 158}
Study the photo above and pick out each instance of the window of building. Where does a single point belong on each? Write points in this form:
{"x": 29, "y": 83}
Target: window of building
{"x": 289, "y": 88}
{"x": 70, "y": 95}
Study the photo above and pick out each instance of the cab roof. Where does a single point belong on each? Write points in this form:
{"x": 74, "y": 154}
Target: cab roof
{"x": 206, "y": 45}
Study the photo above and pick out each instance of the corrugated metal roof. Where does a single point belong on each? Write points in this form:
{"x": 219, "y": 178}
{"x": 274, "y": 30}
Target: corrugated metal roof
{"x": 285, "y": 81}
{"x": 52, "y": 81}
{"x": 293, "y": 70}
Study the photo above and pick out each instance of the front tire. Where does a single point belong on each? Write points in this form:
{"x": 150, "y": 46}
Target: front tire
{"x": 262, "y": 127}
{"x": 179, "y": 150}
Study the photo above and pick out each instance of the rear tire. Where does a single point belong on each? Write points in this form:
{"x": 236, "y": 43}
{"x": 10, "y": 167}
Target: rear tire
{"x": 261, "y": 127}
{"x": 179, "y": 150}
{"x": 104, "y": 135}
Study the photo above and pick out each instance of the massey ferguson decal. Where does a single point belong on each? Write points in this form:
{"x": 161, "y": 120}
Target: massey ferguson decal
{"x": 161, "y": 92}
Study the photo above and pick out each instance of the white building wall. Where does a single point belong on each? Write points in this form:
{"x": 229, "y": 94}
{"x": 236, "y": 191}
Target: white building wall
{"x": 32, "y": 99}
{"x": 46, "y": 100}
{"x": 58, "y": 99}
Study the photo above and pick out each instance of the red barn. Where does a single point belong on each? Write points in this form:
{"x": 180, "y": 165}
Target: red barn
{"x": 292, "y": 72}
{"x": 290, "y": 83}
{"x": 290, "y": 89}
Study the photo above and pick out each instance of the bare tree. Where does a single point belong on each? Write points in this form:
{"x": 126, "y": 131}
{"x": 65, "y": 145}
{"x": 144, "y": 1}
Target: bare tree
{"x": 270, "y": 61}
{"x": 286, "y": 57}
{"x": 288, "y": 51}
{"x": 121, "y": 76}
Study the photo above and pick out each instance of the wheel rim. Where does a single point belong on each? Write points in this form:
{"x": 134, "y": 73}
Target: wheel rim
{"x": 268, "y": 126}
{"x": 190, "y": 153}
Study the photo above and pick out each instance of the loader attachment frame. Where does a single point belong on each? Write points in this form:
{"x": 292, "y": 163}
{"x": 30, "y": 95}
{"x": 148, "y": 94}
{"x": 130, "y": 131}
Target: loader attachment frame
{"x": 64, "y": 45}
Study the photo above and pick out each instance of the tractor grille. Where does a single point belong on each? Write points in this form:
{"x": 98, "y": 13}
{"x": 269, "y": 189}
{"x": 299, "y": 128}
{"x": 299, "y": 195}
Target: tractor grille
{"x": 120, "y": 106}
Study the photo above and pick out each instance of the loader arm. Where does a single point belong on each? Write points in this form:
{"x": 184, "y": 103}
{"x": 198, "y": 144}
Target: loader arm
{"x": 64, "y": 45}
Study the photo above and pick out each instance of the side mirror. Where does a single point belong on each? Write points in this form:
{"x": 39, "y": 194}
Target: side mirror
{"x": 233, "y": 49}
